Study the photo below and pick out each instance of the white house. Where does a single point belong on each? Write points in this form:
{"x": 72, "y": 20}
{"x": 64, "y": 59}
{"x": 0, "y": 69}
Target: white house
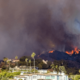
{"x": 16, "y": 68}
{"x": 39, "y": 76}
{"x": 42, "y": 76}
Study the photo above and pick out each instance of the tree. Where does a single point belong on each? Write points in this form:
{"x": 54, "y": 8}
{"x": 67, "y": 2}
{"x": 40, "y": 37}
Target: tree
{"x": 16, "y": 57}
{"x": 22, "y": 59}
{"x": 26, "y": 60}
{"x": 8, "y": 62}
{"x": 39, "y": 66}
{"x": 62, "y": 68}
{"x": 55, "y": 67}
{"x": 4, "y": 78}
{"x": 79, "y": 70}
{"x": 48, "y": 64}
{"x": 30, "y": 65}
{"x": 44, "y": 66}
{"x": 33, "y": 55}
{"x": 5, "y": 59}
{"x": 77, "y": 77}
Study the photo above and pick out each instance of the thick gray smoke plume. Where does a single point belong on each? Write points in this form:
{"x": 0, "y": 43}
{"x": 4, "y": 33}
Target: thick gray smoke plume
{"x": 38, "y": 25}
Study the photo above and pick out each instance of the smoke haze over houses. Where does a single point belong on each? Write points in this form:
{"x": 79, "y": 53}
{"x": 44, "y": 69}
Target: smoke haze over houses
{"x": 38, "y": 25}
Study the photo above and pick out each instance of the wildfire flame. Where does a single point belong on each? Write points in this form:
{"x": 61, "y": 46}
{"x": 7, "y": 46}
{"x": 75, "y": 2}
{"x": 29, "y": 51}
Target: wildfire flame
{"x": 76, "y": 50}
{"x": 51, "y": 51}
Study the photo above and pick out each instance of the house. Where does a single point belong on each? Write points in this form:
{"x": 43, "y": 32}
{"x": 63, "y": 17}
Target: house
{"x": 16, "y": 68}
{"x": 43, "y": 76}
{"x": 39, "y": 76}
{"x": 9, "y": 60}
{"x": 50, "y": 70}
{"x": 27, "y": 67}
{"x": 42, "y": 71}
{"x": 15, "y": 60}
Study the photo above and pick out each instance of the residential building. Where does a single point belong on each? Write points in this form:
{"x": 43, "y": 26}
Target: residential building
{"x": 16, "y": 68}
{"x": 42, "y": 71}
{"x": 43, "y": 76}
{"x": 38, "y": 76}
{"x": 15, "y": 60}
{"x": 9, "y": 60}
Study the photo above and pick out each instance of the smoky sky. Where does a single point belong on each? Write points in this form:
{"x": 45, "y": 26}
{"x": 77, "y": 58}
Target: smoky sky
{"x": 28, "y": 26}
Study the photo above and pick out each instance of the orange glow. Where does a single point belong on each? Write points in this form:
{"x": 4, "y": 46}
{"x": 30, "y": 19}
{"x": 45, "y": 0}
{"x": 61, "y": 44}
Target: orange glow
{"x": 76, "y": 50}
{"x": 51, "y": 51}
{"x": 69, "y": 52}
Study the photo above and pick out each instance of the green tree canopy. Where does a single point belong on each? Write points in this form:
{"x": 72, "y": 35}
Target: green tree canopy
{"x": 33, "y": 54}
{"x": 16, "y": 57}
{"x": 62, "y": 68}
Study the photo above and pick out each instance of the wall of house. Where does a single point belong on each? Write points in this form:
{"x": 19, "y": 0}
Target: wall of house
{"x": 52, "y": 77}
{"x": 65, "y": 77}
{"x": 36, "y": 77}
{"x": 42, "y": 71}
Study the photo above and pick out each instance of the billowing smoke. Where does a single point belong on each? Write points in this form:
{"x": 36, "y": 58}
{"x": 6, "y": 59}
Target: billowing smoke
{"x": 38, "y": 25}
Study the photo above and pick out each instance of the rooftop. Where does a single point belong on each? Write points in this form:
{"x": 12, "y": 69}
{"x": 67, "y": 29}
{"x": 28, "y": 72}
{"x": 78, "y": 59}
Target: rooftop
{"x": 36, "y": 74}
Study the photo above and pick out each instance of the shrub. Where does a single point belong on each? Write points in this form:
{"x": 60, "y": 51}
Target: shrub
{"x": 77, "y": 77}
{"x": 16, "y": 73}
{"x": 4, "y": 78}
{"x": 48, "y": 71}
{"x": 10, "y": 75}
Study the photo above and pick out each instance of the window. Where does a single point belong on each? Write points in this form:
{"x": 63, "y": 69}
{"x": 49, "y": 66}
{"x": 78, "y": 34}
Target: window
{"x": 57, "y": 77}
{"x": 52, "y": 77}
{"x": 66, "y": 77}
{"x": 47, "y": 77}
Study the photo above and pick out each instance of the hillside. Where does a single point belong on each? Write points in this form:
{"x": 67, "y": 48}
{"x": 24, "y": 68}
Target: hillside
{"x": 73, "y": 60}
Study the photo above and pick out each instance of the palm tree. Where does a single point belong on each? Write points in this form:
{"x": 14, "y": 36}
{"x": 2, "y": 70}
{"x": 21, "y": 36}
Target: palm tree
{"x": 33, "y": 55}
{"x": 55, "y": 67}
{"x": 8, "y": 62}
{"x": 79, "y": 71}
{"x": 30, "y": 65}
{"x": 5, "y": 60}
{"x": 26, "y": 60}
{"x": 16, "y": 57}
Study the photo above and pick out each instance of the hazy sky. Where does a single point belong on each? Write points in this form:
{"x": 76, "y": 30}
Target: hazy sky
{"x": 38, "y": 25}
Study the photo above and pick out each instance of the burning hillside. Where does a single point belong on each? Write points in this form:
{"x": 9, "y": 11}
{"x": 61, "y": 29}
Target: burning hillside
{"x": 51, "y": 51}
{"x": 76, "y": 51}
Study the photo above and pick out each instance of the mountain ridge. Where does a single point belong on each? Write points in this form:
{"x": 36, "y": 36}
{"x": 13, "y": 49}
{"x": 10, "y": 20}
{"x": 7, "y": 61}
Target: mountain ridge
{"x": 73, "y": 59}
